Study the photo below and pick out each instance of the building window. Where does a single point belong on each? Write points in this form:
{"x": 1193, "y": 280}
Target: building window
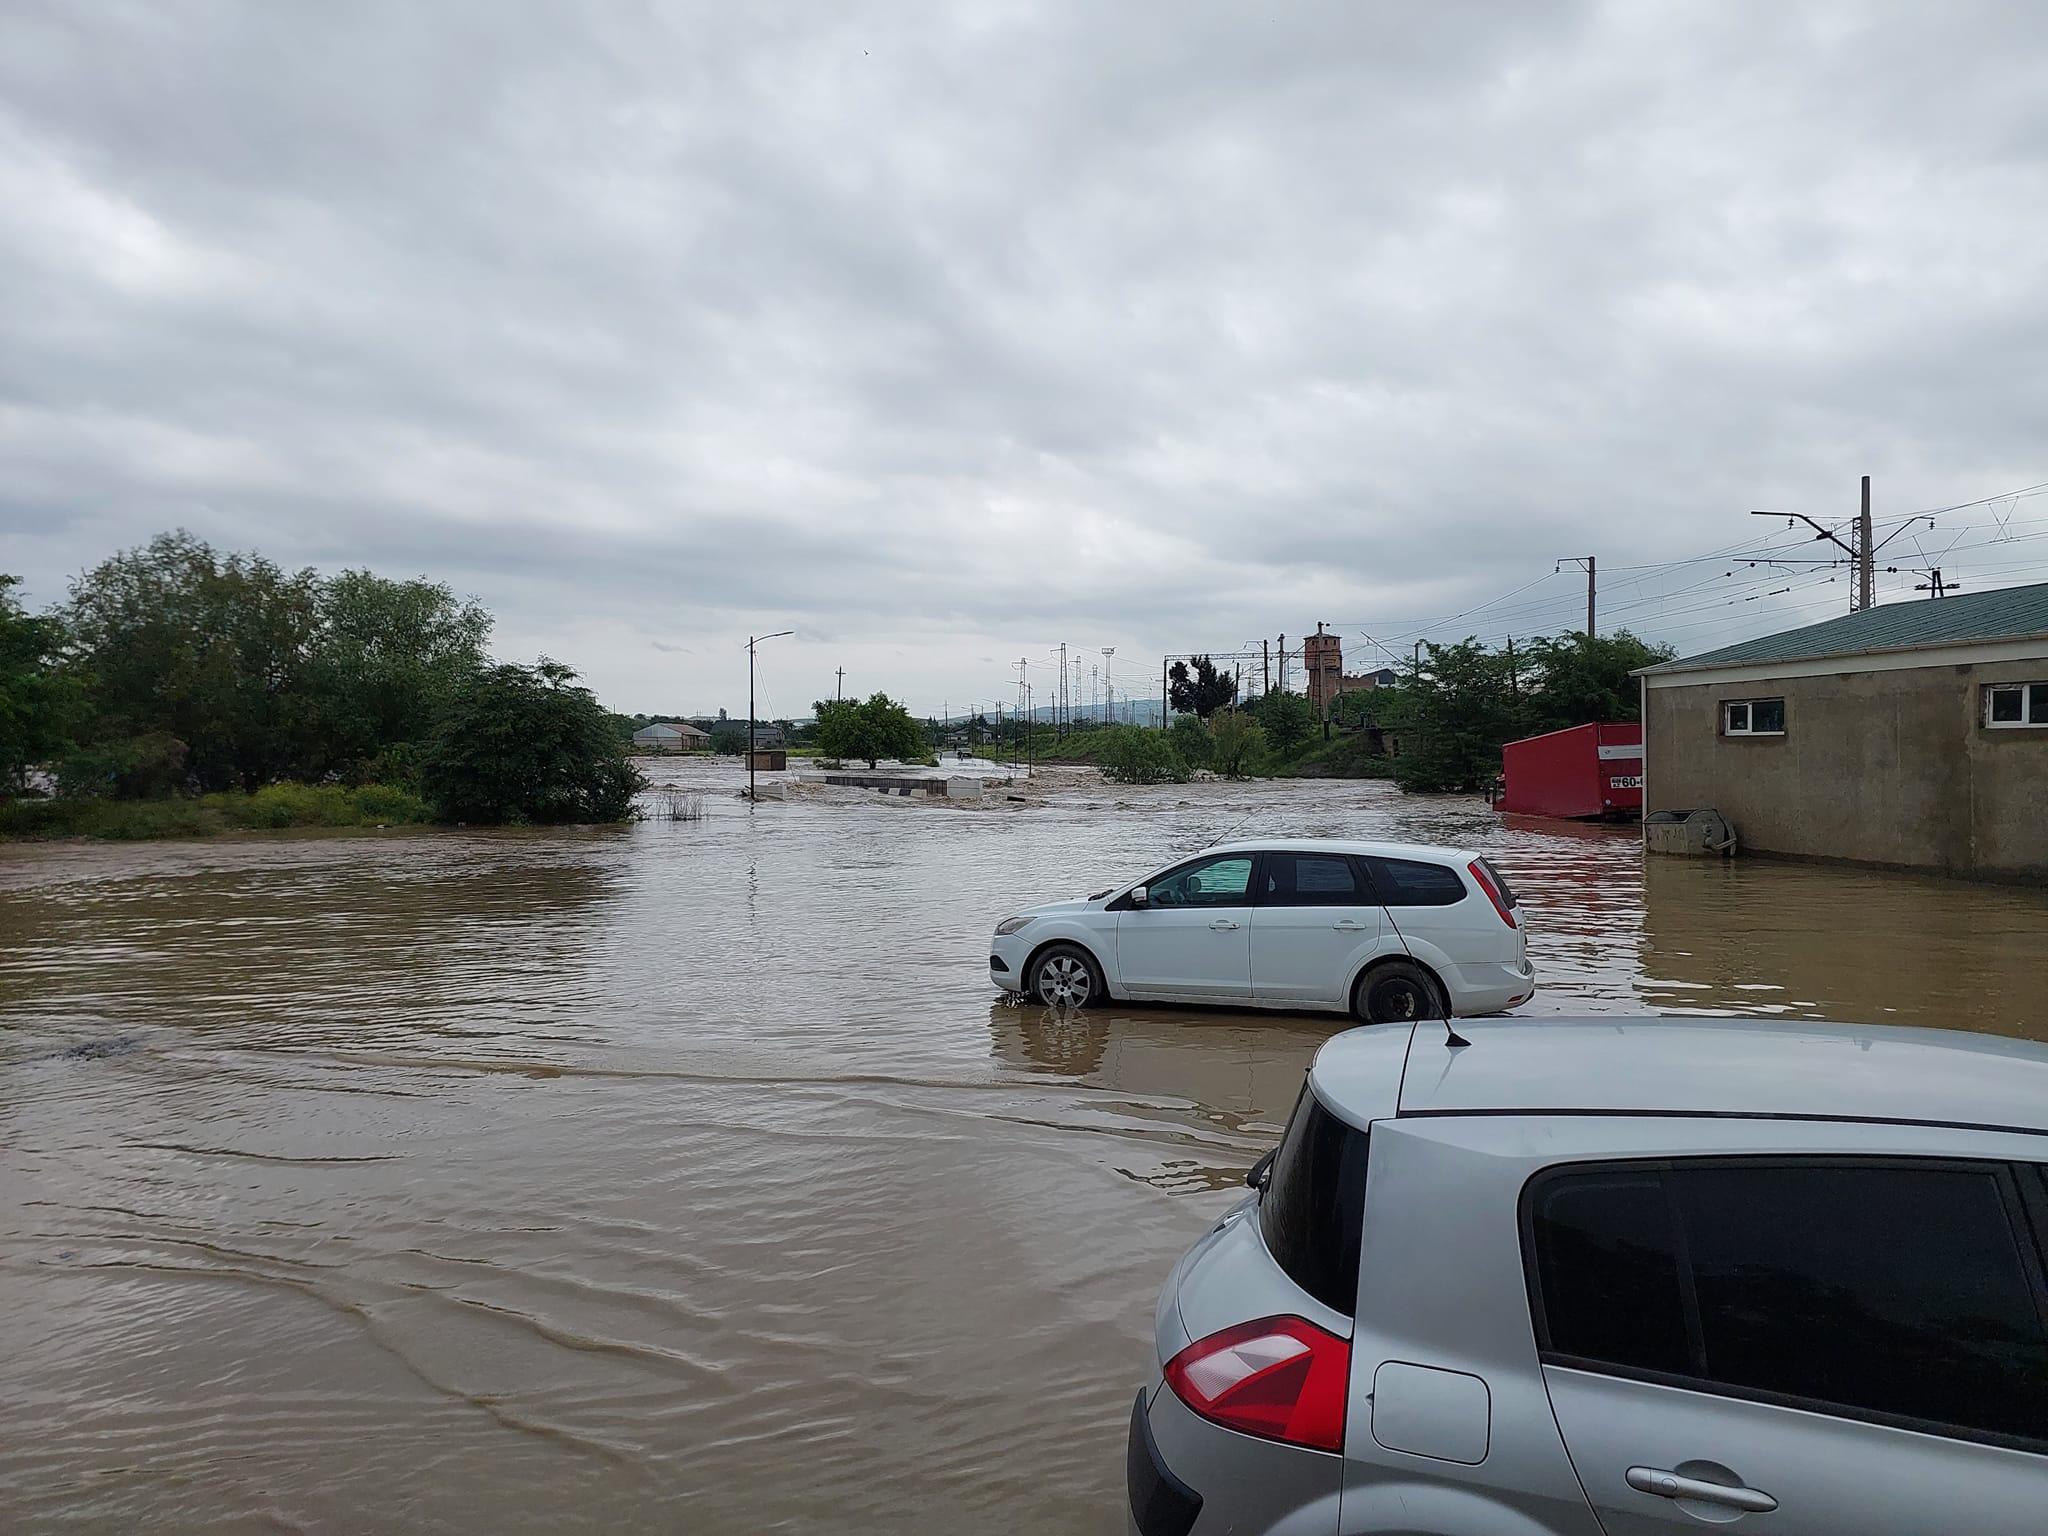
{"x": 2015, "y": 706}
{"x": 1753, "y": 717}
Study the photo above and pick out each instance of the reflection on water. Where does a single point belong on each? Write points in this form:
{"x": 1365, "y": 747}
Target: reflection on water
{"x": 687, "y": 1175}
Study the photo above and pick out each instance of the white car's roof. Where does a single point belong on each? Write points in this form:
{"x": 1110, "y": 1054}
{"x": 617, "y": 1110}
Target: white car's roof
{"x": 1690, "y": 1066}
{"x": 1342, "y": 845}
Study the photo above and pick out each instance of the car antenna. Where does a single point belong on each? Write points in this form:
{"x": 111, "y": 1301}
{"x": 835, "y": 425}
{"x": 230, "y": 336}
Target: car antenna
{"x": 1225, "y": 837}
{"x": 1453, "y": 1041}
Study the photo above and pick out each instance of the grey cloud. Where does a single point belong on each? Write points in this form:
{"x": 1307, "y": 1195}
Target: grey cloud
{"x": 944, "y": 332}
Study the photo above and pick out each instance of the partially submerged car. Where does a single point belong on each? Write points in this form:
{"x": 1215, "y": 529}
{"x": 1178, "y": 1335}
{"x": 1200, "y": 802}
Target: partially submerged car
{"x": 1387, "y": 931}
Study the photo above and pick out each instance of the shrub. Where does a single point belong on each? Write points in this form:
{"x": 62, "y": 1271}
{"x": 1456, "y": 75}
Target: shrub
{"x": 290, "y": 805}
{"x": 123, "y": 820}
{"x": 523, "y": 745}
{"x": 1190, "y": 739}
{"x": 391, "y": 806}
{"x": 1131, "y": 755}
{"x": 1238, "y": 742}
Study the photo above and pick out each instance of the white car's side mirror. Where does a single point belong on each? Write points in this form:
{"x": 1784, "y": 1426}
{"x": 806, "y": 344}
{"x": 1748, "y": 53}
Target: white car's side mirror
{"x": 1140, "y": 895}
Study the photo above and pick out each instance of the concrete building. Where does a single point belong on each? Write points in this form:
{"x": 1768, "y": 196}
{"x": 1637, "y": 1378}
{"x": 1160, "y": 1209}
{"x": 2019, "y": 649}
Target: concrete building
{"x": 1322, "y": 656}
{"x": 1913, "y": 735}
{"x": 671, "y": 736}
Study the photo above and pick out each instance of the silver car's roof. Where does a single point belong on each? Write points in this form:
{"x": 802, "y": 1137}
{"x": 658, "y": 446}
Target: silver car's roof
{"x": 1343, "y": 845}
{"x": 1691, "y": 1066}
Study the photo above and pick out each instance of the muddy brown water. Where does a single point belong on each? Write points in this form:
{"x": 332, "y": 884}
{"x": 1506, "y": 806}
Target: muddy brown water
{"x": 688, "y": 1176}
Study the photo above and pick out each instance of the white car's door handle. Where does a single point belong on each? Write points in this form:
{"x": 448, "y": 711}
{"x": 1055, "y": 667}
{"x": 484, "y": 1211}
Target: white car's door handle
{"x": 1222, "y": 923}
{"x": 1348, "y": 926}
{"x": 1670, "y": 1485}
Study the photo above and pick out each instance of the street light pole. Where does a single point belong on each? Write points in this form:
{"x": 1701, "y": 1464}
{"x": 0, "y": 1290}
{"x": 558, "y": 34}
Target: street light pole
{"x": 752, "y": 641}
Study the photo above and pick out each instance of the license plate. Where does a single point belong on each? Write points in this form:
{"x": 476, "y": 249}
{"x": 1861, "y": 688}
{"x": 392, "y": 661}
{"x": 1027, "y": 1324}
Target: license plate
{"x": 1626, "y": 781}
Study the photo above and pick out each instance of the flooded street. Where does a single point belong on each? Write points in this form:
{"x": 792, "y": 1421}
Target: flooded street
{"x": 689, "y": 1176}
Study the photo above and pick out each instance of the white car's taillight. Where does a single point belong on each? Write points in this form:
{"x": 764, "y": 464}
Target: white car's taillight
{"x": 1280, "y": 1378}
{"x": 1500, "y": 905}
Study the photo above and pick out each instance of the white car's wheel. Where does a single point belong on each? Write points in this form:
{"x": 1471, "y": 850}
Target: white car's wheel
{"x": 1065, "y": 977}
{"x": 1396, "y": 993}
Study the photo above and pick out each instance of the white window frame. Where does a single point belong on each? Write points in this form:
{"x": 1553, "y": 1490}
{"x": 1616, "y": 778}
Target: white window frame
{"x": 1729, "y": 706}
{"x": 2026, "y": 689}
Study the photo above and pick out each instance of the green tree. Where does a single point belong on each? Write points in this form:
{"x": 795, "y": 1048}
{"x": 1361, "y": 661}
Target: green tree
{"x": 1237, "y": 744}
{"x": 1576, "y": 679}
{"x": 1133, "y": 755}
{"x": 1199, "y": 689}
{"x": 523, "y": 745}
{"x": 208, "y": 650}
{"x": 389, "y": 658}
{"x": 1190, "y": 739}
{"x": 1453, "y": 714}
{"x": 41, "y": 702}
{"x": 1288, "y": 718}
{"x": 870, "y": 729}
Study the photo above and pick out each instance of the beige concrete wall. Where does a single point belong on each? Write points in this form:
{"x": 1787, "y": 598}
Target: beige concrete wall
{"x": 1878, "y": 767}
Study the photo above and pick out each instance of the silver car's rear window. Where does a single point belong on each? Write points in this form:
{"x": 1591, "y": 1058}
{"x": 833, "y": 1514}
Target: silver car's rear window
{"x": 1313, "y": 1206}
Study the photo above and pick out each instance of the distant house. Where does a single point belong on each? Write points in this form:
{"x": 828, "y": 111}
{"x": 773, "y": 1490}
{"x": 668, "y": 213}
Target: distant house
{"x": 671, "y": 736}
{"x": 766, "y": 735}
{"x": 1913, "y": 734}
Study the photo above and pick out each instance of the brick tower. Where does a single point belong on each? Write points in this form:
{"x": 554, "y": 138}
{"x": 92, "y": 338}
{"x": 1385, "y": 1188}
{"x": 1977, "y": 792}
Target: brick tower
{"x": 1323, "y": 658}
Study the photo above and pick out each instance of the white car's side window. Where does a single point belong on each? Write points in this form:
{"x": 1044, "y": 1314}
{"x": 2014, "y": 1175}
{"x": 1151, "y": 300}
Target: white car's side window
{"x": 1220, "y": 882}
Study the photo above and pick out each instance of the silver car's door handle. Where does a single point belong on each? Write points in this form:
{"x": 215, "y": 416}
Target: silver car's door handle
{"x": 1348, "y": 926}
{"x": 1222, "y": 923}
{"x": 1670, "y": 1485}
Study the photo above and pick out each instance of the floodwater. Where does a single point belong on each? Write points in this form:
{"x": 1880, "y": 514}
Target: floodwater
{"x": 688, "y": 1176}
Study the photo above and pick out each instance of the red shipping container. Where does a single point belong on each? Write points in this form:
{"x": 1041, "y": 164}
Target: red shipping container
{"x": 1585, "y": 772}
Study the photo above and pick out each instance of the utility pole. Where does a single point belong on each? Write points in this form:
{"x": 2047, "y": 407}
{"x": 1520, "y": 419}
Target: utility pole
{"x": 752, "y": 641}
{"x": 1059, "y": 698}
{"x": 1860, "y": 553}
{"x": 1514, "y": 683}
{"x": 1108, "y": 687}
{"x": 1865, "y": 576}
{"x": 1029, "y": 755}
{"x": 839, "y": 687}
{"x": 1283, "y": 663}
{"x": 1591, "y": 567}
{"x": 1933, "y": 585}
{"x": 1165, "y": 706}
{"x": 1266, "y": 665}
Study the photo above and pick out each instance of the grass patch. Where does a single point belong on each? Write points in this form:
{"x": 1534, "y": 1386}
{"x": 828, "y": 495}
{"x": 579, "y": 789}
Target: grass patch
{"x": 271, "y": 807}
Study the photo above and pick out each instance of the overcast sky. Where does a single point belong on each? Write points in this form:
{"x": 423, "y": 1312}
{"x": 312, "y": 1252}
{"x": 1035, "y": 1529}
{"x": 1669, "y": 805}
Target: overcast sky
{"x": 945, "y": 333}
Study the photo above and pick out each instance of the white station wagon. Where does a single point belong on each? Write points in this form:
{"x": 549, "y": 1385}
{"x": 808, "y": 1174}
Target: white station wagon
{"x": 1387, "y": 931}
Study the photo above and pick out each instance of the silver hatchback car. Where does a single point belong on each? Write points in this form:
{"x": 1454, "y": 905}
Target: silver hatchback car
{"x": 1621, "y": 1277}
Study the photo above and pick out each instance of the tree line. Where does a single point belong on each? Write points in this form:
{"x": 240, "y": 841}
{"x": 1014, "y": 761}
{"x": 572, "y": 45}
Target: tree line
{"x": 1438, "y": 728}
{"x": 176, "y": 669}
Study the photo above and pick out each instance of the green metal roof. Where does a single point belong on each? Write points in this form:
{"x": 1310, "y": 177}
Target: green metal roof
{"x": 2010, "y": 613}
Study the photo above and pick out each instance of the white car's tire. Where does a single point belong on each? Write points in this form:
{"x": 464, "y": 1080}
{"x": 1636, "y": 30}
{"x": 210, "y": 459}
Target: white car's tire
{"x": 1398, "y": 992}
{"x": 1066, "y": 976}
